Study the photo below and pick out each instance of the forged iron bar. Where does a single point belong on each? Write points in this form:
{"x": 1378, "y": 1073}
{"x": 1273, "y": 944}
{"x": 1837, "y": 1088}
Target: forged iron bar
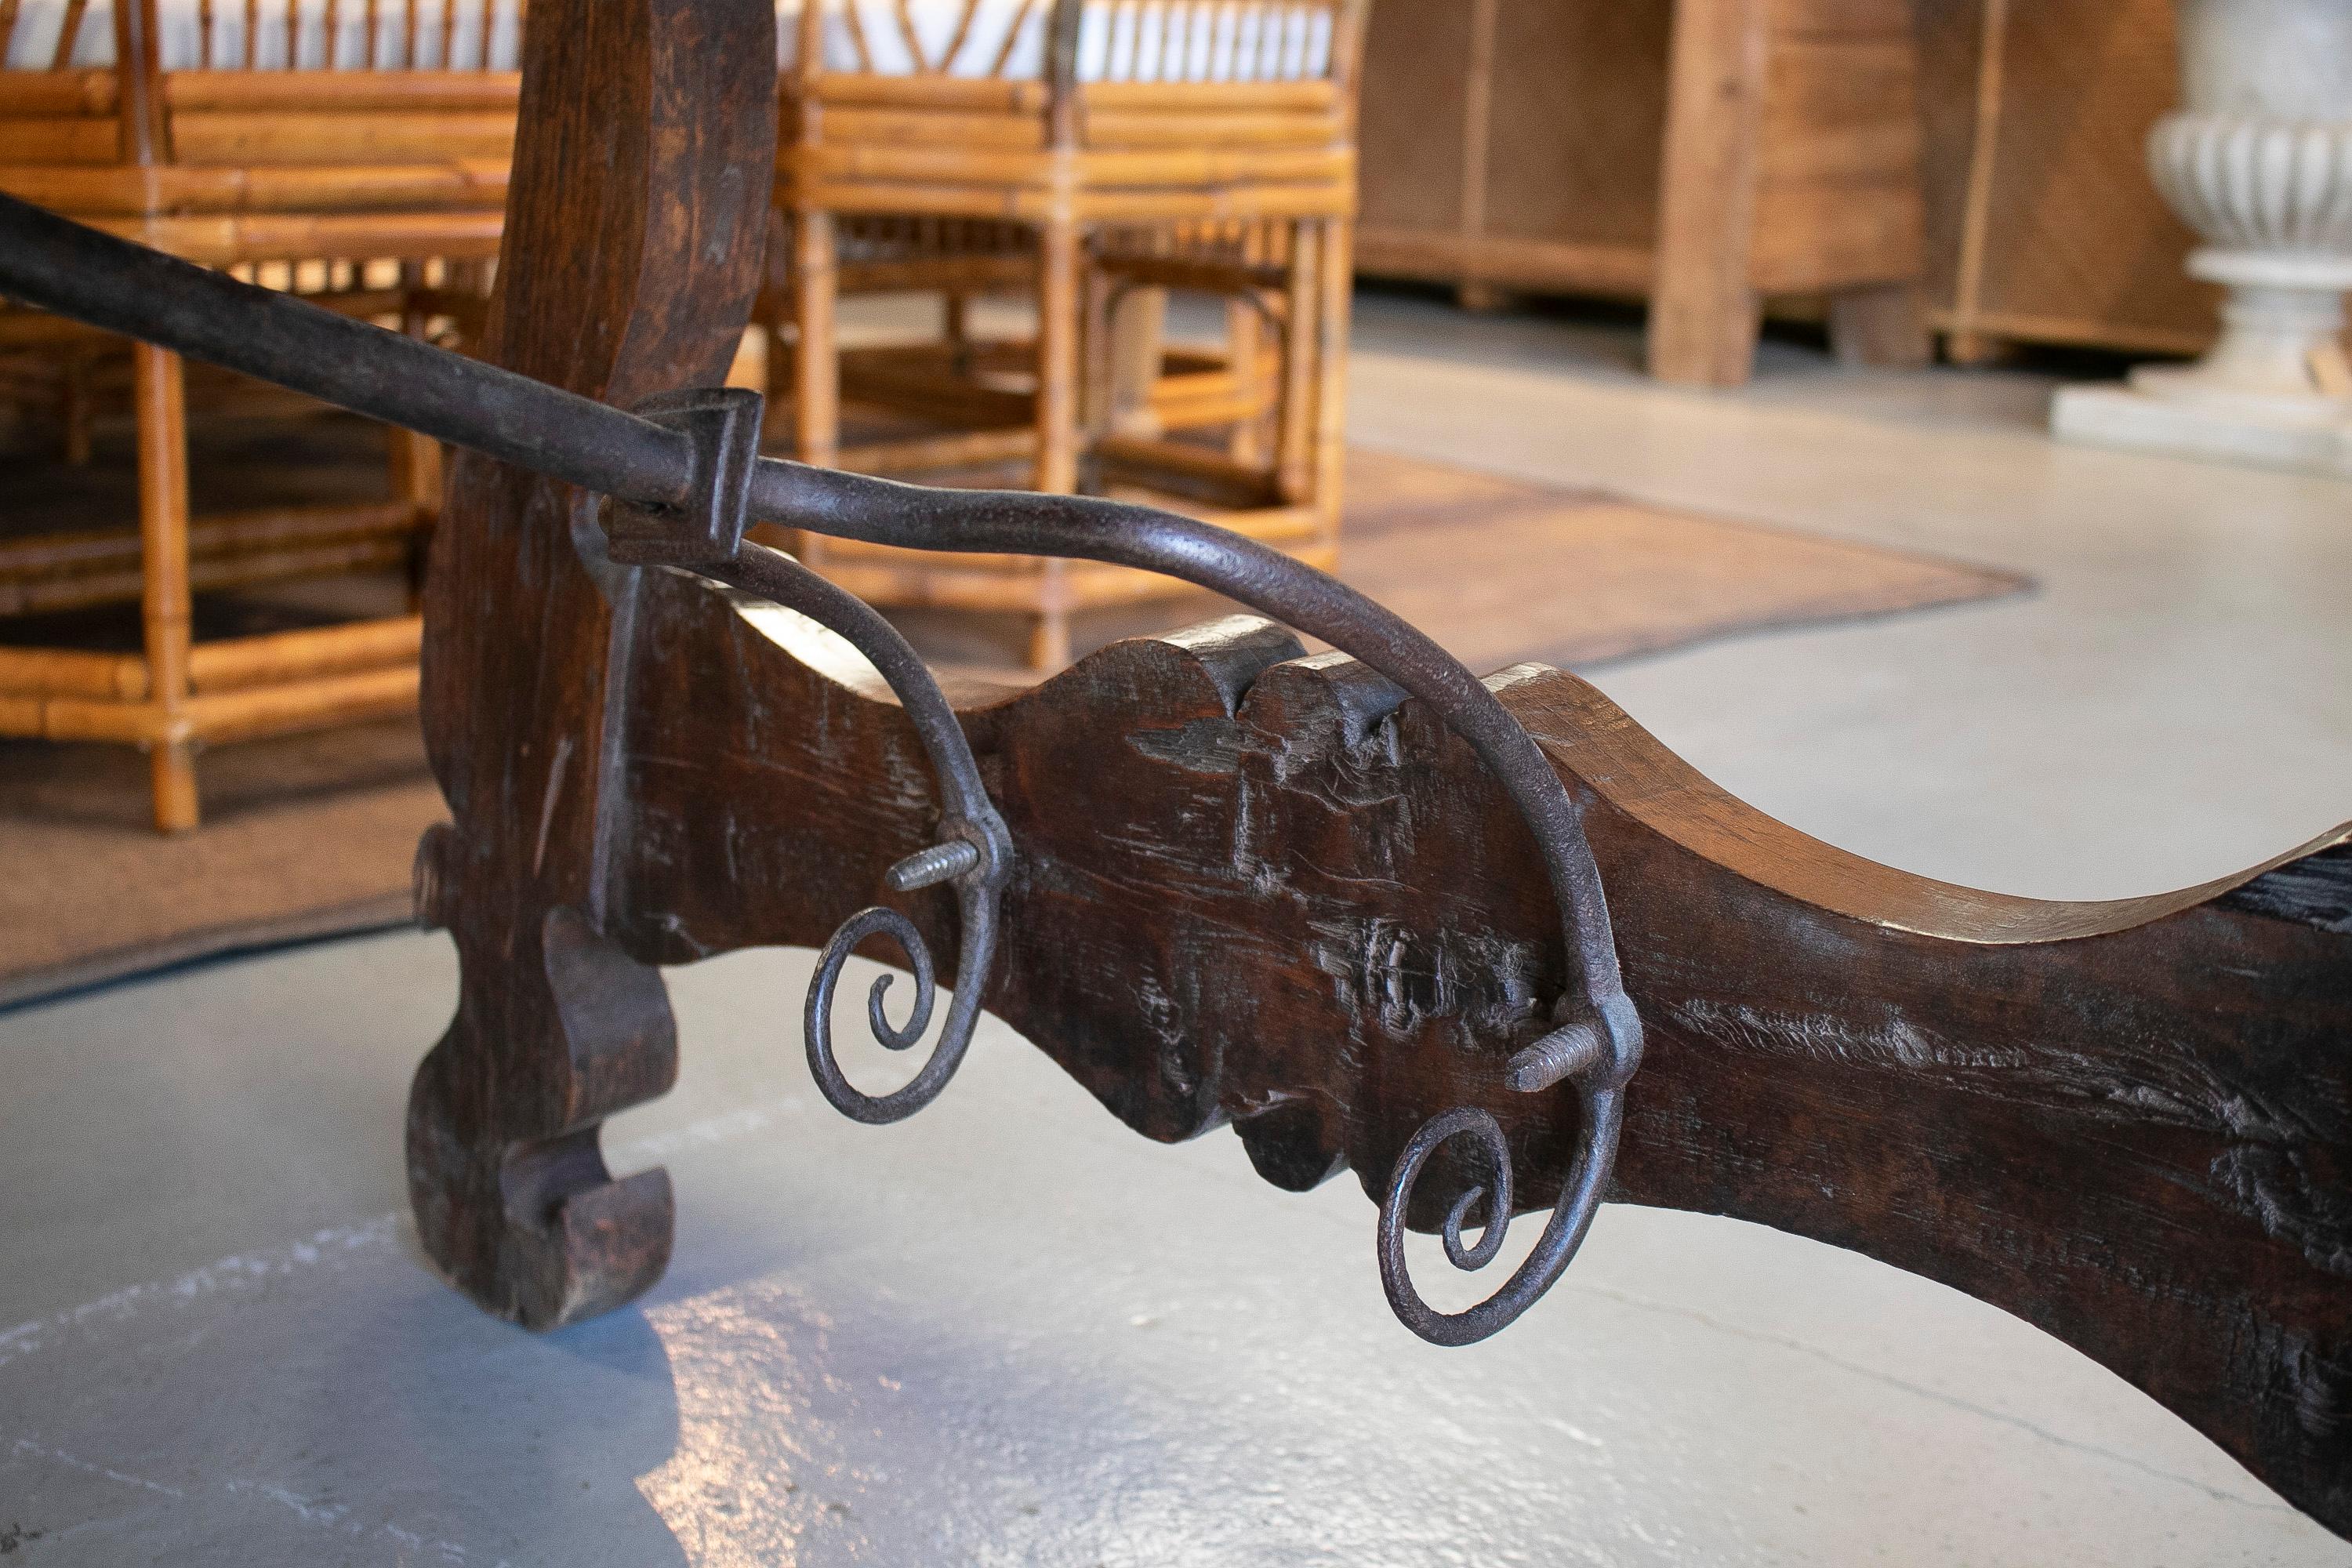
{"x": 693, "y": 453}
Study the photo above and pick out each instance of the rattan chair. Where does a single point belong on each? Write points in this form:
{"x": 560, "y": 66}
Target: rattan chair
{"x": 358, "y": 150}
{"x": 1115, "y": 148}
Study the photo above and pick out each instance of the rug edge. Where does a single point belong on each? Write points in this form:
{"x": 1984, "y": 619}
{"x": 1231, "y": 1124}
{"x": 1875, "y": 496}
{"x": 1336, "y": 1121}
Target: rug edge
{"x": 378, "y": 911}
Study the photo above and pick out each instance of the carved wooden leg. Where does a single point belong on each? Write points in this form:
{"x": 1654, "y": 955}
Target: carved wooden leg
{"x": 630, "y": 259}
{"x": 161, "y": 414}
{"x": 556, "y": 1029}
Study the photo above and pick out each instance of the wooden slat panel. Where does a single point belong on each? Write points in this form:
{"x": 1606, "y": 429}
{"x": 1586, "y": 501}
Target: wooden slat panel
{"x": 288, "y": 137}
{"x": 60, "y": 139}
{"x": 57, "y": 92}
{"x": 876, "y": 126}
{"x": 1837, "y": 199}
{"x": 1825, "y": 236}
{"x": 1841, "y": 111}
{"x": 342, "y": 91}
{"x": 219, "y": 241}
{"x": 117, "y": 191}
{"x": 941, "y": 91}
{"x": 1122, "y": 129}
{"x": 1614, "y": 269}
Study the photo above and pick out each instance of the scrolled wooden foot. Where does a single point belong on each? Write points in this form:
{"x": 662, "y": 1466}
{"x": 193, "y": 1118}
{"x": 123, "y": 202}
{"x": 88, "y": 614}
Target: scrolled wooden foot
{"x": 512, "y": 1197}
{"x": 630, "y": 261}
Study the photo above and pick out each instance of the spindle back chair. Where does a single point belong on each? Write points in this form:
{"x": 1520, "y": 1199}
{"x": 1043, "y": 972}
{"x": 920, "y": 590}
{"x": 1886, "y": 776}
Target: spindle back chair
{"x": 354, "y": 150}
{"x": 1126, "y": 146}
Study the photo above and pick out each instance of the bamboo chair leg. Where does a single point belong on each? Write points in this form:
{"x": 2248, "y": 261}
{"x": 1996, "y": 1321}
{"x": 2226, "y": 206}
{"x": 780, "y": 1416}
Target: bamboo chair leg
{"x": 816, "y": 362}
{"x": 1301, "y": 333}
{"x": 816, "y": 365}
{"x": 1337, "y": 299}
{"x": 161, "y": 415}
{"x": 1058, "y": 306}
{"x": 1247, "y": 442}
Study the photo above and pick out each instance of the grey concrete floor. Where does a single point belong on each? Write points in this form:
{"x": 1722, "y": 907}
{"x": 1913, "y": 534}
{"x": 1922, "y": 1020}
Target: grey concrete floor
{"x": 1009, "y": 1332}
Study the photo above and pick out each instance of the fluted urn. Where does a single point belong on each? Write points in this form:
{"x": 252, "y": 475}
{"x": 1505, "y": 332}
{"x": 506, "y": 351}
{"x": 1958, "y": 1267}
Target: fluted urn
{"x": 2258, "y": 162}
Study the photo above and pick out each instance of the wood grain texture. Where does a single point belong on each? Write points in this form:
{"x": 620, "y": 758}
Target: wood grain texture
{"x": 634, "y": 232}
{"x": 1253, "y": 888}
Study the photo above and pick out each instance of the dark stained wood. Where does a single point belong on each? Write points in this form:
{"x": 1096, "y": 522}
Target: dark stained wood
{"x": 1251, "y": 888}
{"x": 634, "y": 233}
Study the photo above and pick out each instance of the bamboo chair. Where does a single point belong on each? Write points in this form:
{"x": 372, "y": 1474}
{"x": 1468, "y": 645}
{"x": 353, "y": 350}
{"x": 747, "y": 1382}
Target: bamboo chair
{"x": 1128, "y": 146}
{"x": 355, "y": 149}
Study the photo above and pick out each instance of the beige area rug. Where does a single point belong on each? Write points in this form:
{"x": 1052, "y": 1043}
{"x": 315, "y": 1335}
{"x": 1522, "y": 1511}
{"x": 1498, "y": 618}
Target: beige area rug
{"x": 314, "y": 833}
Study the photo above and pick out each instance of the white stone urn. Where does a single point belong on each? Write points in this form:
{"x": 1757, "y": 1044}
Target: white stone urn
{"x": 2258, "y": 160}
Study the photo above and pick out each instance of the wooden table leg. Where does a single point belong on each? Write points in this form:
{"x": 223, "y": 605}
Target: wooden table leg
{"x": 158, "y": 385}
{"x": 632, "y": 256}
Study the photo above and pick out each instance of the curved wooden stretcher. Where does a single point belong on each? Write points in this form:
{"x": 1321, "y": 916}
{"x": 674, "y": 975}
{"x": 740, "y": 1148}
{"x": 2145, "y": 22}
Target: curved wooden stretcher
{"x": 1237, "y": 884}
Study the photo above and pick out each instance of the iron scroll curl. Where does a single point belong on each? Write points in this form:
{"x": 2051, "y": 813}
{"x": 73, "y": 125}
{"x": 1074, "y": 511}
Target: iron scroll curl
{"x": 684, "y": 478}
{"x": 973, "y": 852}
{"x": 1595, "y": 1044}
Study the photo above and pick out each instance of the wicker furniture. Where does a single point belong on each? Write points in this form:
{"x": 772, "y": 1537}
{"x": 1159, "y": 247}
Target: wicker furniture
{"x": 1099, "y": 150}
{"x": 1704, "y": 154}
{"x": 349, "y": 138}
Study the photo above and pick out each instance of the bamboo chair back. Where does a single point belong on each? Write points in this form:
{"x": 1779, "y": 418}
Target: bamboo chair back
{"x": 237, "y": 132}
{"x": 267, "y": 34}
{"x": 1071, "y": 41}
